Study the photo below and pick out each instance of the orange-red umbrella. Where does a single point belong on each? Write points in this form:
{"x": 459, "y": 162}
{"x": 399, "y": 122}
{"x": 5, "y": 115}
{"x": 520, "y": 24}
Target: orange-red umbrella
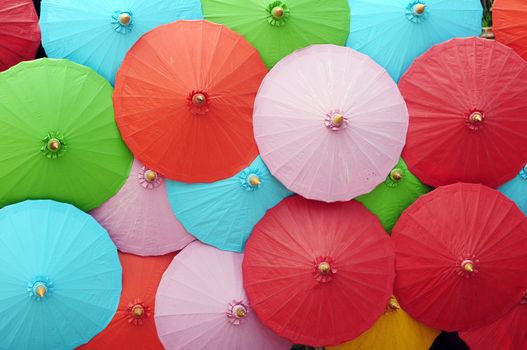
{"x": 133, "y": 325}
{"x": 184, "y": 100}
{"x": 509, "y": 19}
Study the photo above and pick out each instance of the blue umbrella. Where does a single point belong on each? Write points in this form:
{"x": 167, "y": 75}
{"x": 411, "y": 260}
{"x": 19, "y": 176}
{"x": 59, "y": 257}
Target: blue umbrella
{"x": 516, "y": 190}
{"x": 223, "y": 213}
{"x": 98, "y": 33}
{"x": 60, "y": 276}
{"x": 395, "y": 32}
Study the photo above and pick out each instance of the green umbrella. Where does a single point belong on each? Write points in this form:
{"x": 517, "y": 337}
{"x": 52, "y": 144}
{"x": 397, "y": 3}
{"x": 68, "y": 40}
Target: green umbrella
{"x": 388, "y": 200}
{"x": 277, "y": 28}
{"x": 58, "y": 137}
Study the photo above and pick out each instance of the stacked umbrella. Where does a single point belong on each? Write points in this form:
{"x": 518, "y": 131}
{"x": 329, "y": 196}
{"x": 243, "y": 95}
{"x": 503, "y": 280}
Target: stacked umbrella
{"x": 289, "y": 177}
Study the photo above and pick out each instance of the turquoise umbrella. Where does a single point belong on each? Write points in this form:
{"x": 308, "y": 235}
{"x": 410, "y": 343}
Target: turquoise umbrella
{"x": 98, "y": 33}
{"x": 223, "y": 213}
{"x": 395, "y": 32}
{"x": 60, "y": 276}
{"x": 516, "y": 190}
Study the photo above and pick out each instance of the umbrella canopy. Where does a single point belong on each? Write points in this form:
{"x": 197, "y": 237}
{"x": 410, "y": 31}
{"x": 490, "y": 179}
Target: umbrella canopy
{"x": 508, "y": 19}
{"x": 139, "y": 218}
{"x": 184, "y": 100}
{"x": 460, "y": 257}
{"x": 133, "y": 325}
{"x": 394, "y": 330}
{"x": 506, "y": 333}
{"x": 99, "y": 33}
{"x": 460, "y": 131}
{"x": 317, "y": 273}
{"x": 58, "y": 137}
{"x": 388, "y": 200}
{"x": 19, "y": 32}
{"x": 394, "y": 33}
{"x": 278, "y": 27}
{"x": 60, "y": 274}
{"x": 344, "y": 111}
{"x": 516, "y": 190}
{"x": 201, "y": 304}
{"x": 223, "y": 213}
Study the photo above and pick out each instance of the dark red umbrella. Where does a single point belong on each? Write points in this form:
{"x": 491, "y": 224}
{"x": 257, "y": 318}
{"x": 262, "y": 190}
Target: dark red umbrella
{"x": 461, "y": 260}
{"x": 19, "y": 32}
{"x": 509, "y": 332}
{"x": 318, "y": 273}
{"x": 467, "y": 104}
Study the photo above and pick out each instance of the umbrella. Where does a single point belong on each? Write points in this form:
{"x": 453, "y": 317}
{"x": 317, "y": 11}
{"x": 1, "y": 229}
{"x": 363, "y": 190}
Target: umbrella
{"x": 139, "y": 218}
{"x": 133, "y": 325}
{"x": 329, "y": 123}
{"x": 460, "y": 257}
{"x": 201, "y": 304}
{"x": 467, "y": 122}
{"x": 318, "y": 273}
{"x": 223, "y": 213}
{"x": 99, "y": 33}
{"x": 388, "y": 200}
{"x": 394, "y": 33}
{"x": 184, "y": 99}
{"x": 508, "y": 19}
{"x": 60, "y": 274}
{"x": 516, "y": 190}
{"x": 58, "y": 137}
{"x": 394, "y": 330}
{"x": 506, "y": 333}
{"x": 19, "y": 32}
{"x": 276, "y": 28}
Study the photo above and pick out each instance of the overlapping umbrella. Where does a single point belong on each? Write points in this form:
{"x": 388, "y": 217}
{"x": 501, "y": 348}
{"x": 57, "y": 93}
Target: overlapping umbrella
{"x": 223, "y": 213}
{"x": 139, "y": 218}
{"x": 133, "y": 325}
{"x": 388, "y": 200}
{"x": 394, "y": 330}
{"x": 19, "y": 32}
{"x": 396, "y": 32}
{"x": 184, "y": 99}
{"x": 516, "y": 190}
{"x": 466, "y": 119}
{"x": 60, "y": 274}
{"x": 278, "y": 27}
{"x": 58, "y": 137}
{"x": 318, "y": 273}
{"x": 98, "y": 33}
{"x": 201, "y": 304}
{"x": 508, "y": 19}
{"x": 329, "y": 122}
{"x": 460, "y": 257}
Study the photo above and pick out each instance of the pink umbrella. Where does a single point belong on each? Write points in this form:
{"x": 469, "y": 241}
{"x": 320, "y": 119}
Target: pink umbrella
{"x": 329, "y": 122}
{"x": 201, "y": 304}
{"x": 139, "y": 218}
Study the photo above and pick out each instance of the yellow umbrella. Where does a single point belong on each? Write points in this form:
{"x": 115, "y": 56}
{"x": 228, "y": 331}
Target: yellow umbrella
{"x": 394, "y": 330}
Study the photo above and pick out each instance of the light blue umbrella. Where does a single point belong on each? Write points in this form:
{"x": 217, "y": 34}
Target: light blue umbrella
{"x": 98, "y": 33}
{"x": 516, "y": 190}
{"x": 60, "y": 276}
{"x": 395, "y": 32}
{"x": 223, "y": 213}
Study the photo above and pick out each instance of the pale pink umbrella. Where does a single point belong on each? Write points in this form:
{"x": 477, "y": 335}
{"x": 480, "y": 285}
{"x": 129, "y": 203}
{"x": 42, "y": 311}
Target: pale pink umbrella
{"x": 329, "y": 122}
{"x": 201, "y": 304}
{"x": 139, "y": 218}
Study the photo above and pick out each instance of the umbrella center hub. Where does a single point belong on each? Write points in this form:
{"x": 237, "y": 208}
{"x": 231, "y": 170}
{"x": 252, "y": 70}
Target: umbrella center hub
{"x": 336, "y": 121}
{"x": 419, "y": 9}
{"x": 198, "y": 102}
{"x": 393, "y": 305}
{"x": 137, "y": 312}
{"x": 39, "y": 288}
{"x": 416, "y": 11}
{"x": 468, "y": 266}
{"x": 278, "y": 13}
{"x": 253, "y": 180}
{"x": 150, "y": 176}
{"x": 236, "y": 312}
{"x": 125, "y": 19}
{"x": 476, "y": 120}
{"x": 122, "y": 21}
{"x": 199, "y": 99}
{"x": 53, "y": 145}
{"x": 396, "y": 175}
{"x": 324, "y": 269}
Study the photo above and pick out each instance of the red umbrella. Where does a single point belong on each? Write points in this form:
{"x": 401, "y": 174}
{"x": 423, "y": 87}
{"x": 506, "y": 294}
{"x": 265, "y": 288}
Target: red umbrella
{"x": 317, "y": 273}
{"x": 460, "y": 254}
{"x": 508, "y": 332}
{"x": 19, "y": 32}
{"x": 467, "y": 106}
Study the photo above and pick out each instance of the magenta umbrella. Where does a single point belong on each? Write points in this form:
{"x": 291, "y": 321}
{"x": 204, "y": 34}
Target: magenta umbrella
{"x": 329, "y": 122}
{"x": 139, "y": 218}
{"x": 201, "y": 304}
